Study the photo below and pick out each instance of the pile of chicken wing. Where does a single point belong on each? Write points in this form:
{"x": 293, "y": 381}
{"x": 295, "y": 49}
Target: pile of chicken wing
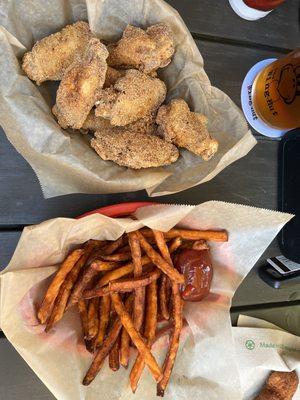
{"x": 113, "y": 92}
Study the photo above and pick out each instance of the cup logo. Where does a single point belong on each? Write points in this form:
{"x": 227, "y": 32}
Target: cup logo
{"x": 288, "y": 85}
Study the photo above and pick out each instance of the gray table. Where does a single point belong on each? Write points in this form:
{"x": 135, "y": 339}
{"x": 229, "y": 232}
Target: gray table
{"x": 230, "y": 46}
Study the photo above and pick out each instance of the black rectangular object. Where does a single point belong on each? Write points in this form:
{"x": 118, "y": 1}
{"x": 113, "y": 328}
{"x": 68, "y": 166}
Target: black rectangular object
{"x": 276, "y": 280}
{"x": 289, "y": 193}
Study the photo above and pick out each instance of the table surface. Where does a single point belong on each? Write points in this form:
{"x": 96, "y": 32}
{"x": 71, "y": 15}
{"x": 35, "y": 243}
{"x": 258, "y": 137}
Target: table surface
{"x": 229, "y": 46}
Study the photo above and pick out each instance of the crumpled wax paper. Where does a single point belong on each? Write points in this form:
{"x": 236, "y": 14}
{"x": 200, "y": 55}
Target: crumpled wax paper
{"x": 206, "y": 365}
{"x": 63, "y": 160}
{"x": 262, "y": 347}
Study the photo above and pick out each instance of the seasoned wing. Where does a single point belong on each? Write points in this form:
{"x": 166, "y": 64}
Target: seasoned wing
{"x": 105, "y": 103}
{"x": 60, "y": 119}
{"x": 146, "y": 50}
{"x": 279, "y": 386}
{"x": 80, "y": 86}
{"x": 51, "y": 56}
{"x": 112, "y": 75}
{"x": 177, "y": 124}
{"x": 133, "y": 96}
{"x": 134, "y": 150}
{"x": 143, "y": 125}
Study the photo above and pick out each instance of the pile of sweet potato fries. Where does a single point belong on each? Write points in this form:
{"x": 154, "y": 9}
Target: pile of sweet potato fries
{"x": 123, "y": 290}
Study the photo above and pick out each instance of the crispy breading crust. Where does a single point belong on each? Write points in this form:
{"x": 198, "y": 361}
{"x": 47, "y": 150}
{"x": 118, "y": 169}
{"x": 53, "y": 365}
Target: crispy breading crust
{"x": 143, "y": 125}
{"x": 146, "y": 50}
{"x": 105, "y": 103}
{"x": 134, "y": 150}
{"x": 112, "y": 75}
{"x": 52, "y": 55}
{"x": 279, "y": 386}
{"x": 178, "y": 125}
{"x": 60, "y": 119}
{"x": 134, "y": 96}
{"x": 81, "y": 83}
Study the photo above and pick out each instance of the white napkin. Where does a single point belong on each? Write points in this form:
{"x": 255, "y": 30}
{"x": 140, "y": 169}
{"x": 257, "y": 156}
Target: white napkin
{"x": 262, "y": 347}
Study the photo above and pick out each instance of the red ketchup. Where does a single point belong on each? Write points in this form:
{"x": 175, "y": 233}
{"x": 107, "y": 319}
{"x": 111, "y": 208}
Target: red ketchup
{"x": 196, "y": 267}
{"x": 264, "y": 5}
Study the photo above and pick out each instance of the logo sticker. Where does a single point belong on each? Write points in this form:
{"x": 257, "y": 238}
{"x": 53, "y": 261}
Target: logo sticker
{"x": 250, "y": 344}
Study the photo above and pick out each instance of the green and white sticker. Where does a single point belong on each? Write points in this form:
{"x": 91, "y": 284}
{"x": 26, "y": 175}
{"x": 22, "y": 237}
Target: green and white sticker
{"x": 250, "y": 344}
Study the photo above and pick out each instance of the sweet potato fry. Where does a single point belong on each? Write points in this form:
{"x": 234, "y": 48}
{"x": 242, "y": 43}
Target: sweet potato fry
{"x": 89, "y": 345}
{"x": 99, "y": 292}
{"x": 96, "y": 253}
{"x": 136, "y": 253}
{"x": 95, "y": 243}
{"x": 102, "y": 353}
{"x": 101, "y": 266}
{"x": 174, "y": 342}
{"x": 60, "y": 304}
{"x": 175, "y": 244}
{"x": 159, "y": 261}
{"x": 164, "y": 284}
{"x": 124, "y": 348}
{"x": 123, "y": 285}
{"x": 106, "y": 347}
{"x": 136, "y": 337}
{"x": 162, "y": 245}
{"x": 53, "y": 290}
{"x": 151, "y": 315}
{"x": 113, "y": 358}
{"x": 83, "y": 312}
{"x": 66, "y": 287}
{"x": 125, "y": 249}
{"x": 186, "y": 234}
{"x": 93, "y": 320}
{"x": 104, "y": 312}
{"x": 139, "y": 293}
{"x": 149, "y": 333}
{"x": 119, "y": 272}
{"x": 111, "y": 247}
{"x": 126, "y": 256}
{"x": 163, "y": 294}
{"x": 88, "y": 275}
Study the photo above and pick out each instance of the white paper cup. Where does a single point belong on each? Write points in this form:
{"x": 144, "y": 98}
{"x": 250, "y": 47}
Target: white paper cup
{"x": 247, "y": 103}
{"x": 251, "y": 14}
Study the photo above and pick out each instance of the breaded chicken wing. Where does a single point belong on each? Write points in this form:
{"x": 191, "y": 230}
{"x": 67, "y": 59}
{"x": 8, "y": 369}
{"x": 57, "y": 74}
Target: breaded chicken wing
{"x": 178, "y": 125}
{"x": 146, "y": 50}
{"x": 279, "y": 386}
{"x": 112, "y": 75}
{"x": 51, "y": 56}
{"x": 143, "y": 125}
{"x": 80, "y": 86}
{"x": 133, "y": 96}
{"x": 60, "y": 119}
{"x": 105, "y": 103}
{"x": 134, "y": 150}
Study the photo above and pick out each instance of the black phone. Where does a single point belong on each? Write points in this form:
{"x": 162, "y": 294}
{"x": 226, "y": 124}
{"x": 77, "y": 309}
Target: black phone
{"x": 289, "y": 196}
{"x": 280, "y": 272}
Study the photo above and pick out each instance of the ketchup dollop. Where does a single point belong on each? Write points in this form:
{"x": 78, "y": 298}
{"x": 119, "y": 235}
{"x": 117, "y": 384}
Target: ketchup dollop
{"x": 264, "y": 5}
{"x": 196, "y": 267}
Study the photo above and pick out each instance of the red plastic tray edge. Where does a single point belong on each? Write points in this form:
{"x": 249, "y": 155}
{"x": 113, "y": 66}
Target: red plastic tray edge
{"x": 119, "y": 210}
